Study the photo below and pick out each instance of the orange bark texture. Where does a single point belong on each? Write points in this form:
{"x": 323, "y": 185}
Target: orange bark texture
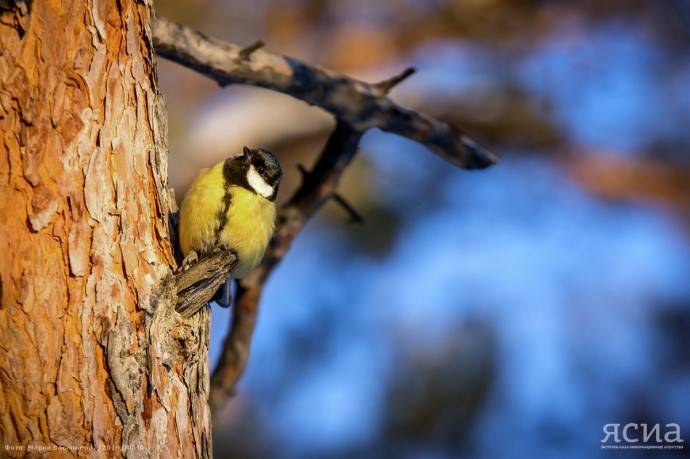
{"x": 84, "y": 242}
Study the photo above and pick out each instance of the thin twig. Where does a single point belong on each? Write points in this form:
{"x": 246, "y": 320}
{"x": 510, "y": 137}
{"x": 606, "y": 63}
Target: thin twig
{"x": 385, "y": 86}
{"x": 247, "y": 51}
{"x": 355, "y": 217}
{"x": 360, "y": 104}
{"x": 303, "y": 171}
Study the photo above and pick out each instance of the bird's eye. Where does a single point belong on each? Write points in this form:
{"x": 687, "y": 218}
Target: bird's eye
{"x": 261, "y": 170}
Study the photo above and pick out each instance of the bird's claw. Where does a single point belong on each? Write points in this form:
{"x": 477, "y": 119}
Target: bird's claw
{"x": 191, "y": 259}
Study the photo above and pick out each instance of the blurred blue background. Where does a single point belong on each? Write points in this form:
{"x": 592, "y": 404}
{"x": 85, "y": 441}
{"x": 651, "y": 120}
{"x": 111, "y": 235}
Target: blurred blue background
{"x": 510, "y": 312}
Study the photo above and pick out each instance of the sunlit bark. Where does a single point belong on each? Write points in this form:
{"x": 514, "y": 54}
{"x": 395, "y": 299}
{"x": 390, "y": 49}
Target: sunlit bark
{"x": 84, "y": 361}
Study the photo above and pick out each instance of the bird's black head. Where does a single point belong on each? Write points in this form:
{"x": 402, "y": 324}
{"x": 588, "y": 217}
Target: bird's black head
{"x": 256, "y": 170}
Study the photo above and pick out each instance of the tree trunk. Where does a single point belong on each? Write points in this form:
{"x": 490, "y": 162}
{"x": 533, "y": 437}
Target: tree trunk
{"x": 91, "y": 357}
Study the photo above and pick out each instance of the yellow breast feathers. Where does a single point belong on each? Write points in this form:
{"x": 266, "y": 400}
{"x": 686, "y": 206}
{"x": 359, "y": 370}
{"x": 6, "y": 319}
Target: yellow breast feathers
{"x": 250, "y": 224}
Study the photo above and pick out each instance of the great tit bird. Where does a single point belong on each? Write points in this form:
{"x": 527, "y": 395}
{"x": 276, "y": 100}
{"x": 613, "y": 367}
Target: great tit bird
{"x": 231, "y": 205}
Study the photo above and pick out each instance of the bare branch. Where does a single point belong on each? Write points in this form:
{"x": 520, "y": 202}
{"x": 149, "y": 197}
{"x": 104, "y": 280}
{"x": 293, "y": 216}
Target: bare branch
{"x": 360, "y": 104}
{"x": 197, "y": 285}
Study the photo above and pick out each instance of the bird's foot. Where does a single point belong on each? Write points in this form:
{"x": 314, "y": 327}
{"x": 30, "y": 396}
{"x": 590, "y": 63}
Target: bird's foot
{"x": 191, "y": 259}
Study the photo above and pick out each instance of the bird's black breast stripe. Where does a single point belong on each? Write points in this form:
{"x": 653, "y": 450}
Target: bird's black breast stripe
{"x": 223, "y": 211}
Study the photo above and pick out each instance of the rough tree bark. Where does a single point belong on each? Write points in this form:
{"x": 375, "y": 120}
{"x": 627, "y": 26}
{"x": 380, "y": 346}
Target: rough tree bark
{"x": 89, "y": 359}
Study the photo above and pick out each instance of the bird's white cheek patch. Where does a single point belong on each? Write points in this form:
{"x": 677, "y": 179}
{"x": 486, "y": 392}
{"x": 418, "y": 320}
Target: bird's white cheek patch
{"x": 258, "y": 183}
